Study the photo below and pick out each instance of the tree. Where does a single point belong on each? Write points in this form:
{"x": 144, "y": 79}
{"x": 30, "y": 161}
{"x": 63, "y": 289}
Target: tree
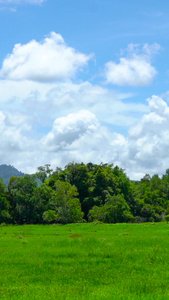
{"x": 115, "y": 210}
{"x": 65, "y": 203}
{"x": 4, "y": 204}
{"x": 41, "y": 198}
{"x": 150, "y": 199}
{"x": 43, "y": 172}
{"x": 21, "y": 191}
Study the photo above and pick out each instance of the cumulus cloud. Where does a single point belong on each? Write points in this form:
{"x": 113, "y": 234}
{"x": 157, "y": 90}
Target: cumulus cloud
{"x": 13, "y": 138}
{"x": 47, "y": 61}
{"x": 80, "y": 137}
{"x": 108, "y": 106}
{"x": 148, "y": 141}
{"x": 54, "y": 100}
{"x": 68, "y": 129}
{"x": 135, "y": 69}
{"x": 75, "y": 137}
{"x": 60, "y": 121}
{"x": 134, "y": 72}
{"x": 30, "y": 109}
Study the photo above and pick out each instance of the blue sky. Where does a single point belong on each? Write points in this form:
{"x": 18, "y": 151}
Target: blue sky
{"x": 85, "y": 81}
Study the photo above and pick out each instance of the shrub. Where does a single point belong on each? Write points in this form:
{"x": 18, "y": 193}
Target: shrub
{"x": 167, "y": 218}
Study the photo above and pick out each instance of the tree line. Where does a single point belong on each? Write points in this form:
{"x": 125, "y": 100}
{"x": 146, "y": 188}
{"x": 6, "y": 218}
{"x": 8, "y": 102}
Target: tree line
{"x": 83, "y": 193}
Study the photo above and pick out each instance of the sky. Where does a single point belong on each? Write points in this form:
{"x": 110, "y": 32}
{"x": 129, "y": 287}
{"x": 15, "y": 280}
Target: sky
{"x": 85, "y": 81}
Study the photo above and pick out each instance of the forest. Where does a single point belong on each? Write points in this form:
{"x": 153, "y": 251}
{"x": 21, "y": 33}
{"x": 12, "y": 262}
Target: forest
{"x": 84, "y": 193}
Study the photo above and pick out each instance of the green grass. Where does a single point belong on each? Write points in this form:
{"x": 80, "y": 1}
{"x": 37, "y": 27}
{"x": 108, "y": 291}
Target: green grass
{"x": 85, "y": 261}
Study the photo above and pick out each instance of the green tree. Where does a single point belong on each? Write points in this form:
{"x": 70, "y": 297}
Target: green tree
{"x": 21, "y": 191}
{"x": 41, "y": 198}
{"x": 115, "y": 210}
{"x": 4, "y": 204}
{"x": 65, "y": 203}
{"x": 43, "y": 172}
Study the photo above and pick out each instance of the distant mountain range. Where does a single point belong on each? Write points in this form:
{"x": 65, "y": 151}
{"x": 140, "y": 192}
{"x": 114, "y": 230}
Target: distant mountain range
{"x": 7, "y": 171}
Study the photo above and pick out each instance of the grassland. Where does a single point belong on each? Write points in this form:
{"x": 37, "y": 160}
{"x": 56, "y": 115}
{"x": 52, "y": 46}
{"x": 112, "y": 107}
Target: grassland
{"x": 85, "y": 261}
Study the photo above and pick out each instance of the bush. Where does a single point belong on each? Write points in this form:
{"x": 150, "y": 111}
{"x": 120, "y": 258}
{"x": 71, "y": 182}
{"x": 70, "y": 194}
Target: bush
{"x": 49, "y": 216}
{"x": 167, "y": 218}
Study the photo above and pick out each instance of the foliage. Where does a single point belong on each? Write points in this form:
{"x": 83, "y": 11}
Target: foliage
{"x": 65, "y": 203}
{"x": 167, "y": 218}
{"x": 94, "y": 192}
{"x": 43, "y": 172}
{"x": 49, "y": 216}
{"x": 115, "y": 210}
{"x": 21, "y": 191}
{"x": 4, "y": 204}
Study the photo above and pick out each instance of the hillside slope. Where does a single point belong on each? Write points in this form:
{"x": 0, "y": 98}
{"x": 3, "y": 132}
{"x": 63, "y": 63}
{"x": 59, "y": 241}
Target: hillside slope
{"x": 7, "y": 171}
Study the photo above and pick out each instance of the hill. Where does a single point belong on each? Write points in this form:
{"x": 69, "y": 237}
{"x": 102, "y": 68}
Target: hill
{"x": 7, "y": 171}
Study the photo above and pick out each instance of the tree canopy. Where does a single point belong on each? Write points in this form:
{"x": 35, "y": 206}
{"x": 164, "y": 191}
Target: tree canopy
{"x": 83, "y": 192}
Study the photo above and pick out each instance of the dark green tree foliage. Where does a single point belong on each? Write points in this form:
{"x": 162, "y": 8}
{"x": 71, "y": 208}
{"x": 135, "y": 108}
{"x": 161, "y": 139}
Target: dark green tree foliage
{"x": 65, "y": 204}
{"x": 5, "y": 216}
{"x": 150, "y": 195}
{"x": 90, "y": 191}
{"x": 77, "y": 175}
{"x": 41, "y": 198}
{"x": 93, "y": 182}
{"x": 115, "y": 210}
{"x": 21, "y": 190}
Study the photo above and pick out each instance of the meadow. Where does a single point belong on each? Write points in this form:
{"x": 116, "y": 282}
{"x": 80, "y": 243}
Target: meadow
{"x": 85, "y": 261}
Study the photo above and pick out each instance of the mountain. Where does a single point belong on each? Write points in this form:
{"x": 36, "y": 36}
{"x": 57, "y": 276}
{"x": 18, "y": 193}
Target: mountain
{"x": 7, "y": 171}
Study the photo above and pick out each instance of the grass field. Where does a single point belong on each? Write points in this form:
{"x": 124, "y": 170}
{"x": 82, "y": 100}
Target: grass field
{"x": 85, "y": 261}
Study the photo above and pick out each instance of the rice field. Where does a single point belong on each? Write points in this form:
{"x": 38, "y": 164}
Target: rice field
{"x": 85, "y": 261}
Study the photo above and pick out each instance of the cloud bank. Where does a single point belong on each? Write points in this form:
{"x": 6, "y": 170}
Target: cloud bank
{"x": 46, "y": 117}
{"x": 35, "y": 136}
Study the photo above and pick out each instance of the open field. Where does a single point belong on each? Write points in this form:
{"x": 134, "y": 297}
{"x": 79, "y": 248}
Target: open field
{"x": 85, "y": 261}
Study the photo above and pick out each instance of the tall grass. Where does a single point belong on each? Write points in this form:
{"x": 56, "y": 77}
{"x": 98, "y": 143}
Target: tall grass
{"x": 85, "y": 261}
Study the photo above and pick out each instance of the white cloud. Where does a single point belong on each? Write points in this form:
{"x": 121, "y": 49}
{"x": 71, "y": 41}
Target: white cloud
{"x": 68, "y": 129}
{"x": 54, "y": 100}
{"x": 80, "y": 137}
{"x": 108, "y": 106}
{"x": 13, "y": 137}
{"x": 2, "y": 118}
{"x": 135, "y": 69}
{"x": 48, "y": 61}
{"x": 59, "y": 122}
{"x": 148, "y": 141}
{"x": 75, "y": 137}
{"x": 17, "y": 90}
{"x": 134, "y": 72}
